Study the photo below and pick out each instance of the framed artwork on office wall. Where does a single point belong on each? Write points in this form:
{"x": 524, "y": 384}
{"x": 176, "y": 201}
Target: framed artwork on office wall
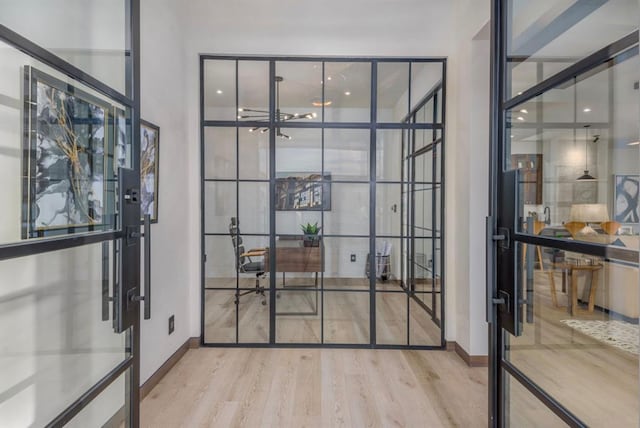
{"x": 67, "y": 159}
{"x": 625, "y": 198}
{"x": 303, "y": 191}
{"x": 149, "y": 169}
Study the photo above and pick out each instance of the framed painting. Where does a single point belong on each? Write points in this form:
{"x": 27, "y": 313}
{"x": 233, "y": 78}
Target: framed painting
{"x": 625, "y": 202}
{"x": 149, "y": 173}
{"x": 67, "y": 159}
{"x": 303, "y": 192}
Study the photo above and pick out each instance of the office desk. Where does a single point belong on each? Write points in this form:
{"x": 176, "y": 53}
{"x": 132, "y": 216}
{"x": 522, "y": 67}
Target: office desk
{"x": 292, "y": 256}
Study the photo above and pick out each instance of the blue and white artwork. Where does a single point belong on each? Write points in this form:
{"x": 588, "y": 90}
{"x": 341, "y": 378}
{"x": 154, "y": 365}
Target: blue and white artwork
{"x": 625, "y": 204}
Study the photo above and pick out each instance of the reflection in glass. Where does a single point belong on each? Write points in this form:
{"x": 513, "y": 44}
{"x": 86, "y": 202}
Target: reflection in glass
{"x": 347, "y": 92}
{"x": 525, "y": 410}
{"x": 299, "y": 92}
{"x": 581, "y": 309}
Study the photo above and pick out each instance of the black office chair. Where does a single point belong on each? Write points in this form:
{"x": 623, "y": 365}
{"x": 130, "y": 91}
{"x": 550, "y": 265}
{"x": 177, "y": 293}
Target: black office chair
{"x": 244, "y": 263}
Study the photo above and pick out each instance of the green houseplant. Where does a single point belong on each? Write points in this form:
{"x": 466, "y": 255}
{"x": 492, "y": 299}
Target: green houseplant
{"x": 310, "y": 234}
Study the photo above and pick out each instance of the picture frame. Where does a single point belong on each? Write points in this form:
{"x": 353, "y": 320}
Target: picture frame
{"x": 625, "y": 198}
{"x": 67, "y": 164}
{"x": 149, "y": 169}
{"x": 303, "y": 191}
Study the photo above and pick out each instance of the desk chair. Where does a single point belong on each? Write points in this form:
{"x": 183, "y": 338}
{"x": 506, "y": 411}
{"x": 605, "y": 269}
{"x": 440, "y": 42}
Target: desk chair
{"x": 244, "y": 263}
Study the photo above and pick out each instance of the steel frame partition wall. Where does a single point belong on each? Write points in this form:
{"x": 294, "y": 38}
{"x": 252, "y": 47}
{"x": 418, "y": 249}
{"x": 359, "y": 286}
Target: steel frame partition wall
{"x": 65, "y": 362}
{"x": 366, "y": 135}
{"x": 548, "y": 92}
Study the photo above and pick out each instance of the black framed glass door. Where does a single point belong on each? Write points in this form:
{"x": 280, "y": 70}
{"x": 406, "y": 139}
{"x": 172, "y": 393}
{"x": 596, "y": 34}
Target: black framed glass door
{"x": 563, "y": 234}
{"x": 70, "y": 238}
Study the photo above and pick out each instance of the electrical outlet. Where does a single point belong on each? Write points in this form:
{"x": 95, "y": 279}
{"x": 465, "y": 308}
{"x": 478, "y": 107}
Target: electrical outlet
{"x": 353, "y": 257}
{"x": 172, "y": 325}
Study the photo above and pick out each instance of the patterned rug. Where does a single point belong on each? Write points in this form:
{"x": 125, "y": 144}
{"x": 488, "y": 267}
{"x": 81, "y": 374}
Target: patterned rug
{"x": 622, "y": 335}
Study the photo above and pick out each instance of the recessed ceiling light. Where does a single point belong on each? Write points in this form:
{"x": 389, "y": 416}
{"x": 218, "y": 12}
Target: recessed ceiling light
{"x": 520, "y": 118}
{"x": 347, "y": 93}
{"x": 633, "y": 143}
{"x": 320, "y": 103}
{"x": 219, "y": 91}
{"x": 240, "y": 109}
{"x": 329, "y": 78}
{"x": 512, "y": 136}
{"x": 524, "y": 111}
{"x": 586, "y": 110}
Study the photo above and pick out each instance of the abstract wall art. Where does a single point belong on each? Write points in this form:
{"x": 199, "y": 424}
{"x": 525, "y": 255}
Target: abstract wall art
{"x": 303, "y": 191}
{"x": 625, "y": 203}
{"x": 66, "y": 162}
{"x": 149, "y": 173}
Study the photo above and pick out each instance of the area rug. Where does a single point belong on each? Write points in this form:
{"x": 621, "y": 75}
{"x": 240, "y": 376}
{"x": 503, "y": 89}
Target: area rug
{"x": 622, "y": 335}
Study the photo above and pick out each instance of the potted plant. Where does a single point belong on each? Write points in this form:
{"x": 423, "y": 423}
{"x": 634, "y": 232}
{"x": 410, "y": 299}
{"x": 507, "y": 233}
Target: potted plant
{"x": 310, "y": 231}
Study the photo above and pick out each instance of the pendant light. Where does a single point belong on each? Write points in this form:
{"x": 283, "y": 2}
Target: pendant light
{"x": 586, "y": 176}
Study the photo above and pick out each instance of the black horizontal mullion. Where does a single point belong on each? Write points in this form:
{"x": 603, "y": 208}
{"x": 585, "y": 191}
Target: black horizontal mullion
{"x": 593, "y": 60}
{"x": 588, "y": 248}
{"x": 32, "y": 247}
{"x": 47, "y": 57}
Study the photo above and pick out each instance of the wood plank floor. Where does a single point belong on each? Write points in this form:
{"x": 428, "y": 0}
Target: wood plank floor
{"x": 224, "y": 387}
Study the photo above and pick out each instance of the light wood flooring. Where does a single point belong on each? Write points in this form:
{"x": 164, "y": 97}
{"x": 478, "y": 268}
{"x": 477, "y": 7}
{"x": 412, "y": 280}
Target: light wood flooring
{"x": 224, "y": 387}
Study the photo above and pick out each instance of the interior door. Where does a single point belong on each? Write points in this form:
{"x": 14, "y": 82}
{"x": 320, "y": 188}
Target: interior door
{"x": 563, "y": 243}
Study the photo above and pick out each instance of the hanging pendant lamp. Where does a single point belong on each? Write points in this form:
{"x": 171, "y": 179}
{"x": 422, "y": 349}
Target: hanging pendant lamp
{"x": 586, "y": 176}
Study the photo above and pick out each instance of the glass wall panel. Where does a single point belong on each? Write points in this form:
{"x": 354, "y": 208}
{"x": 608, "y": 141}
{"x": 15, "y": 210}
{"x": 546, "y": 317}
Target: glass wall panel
{"x": 220, "y": 153}
{"x": 220, "y": 317}
{"x": 253, "y": 317}
{"x": 90, "y": 34}
{"x": 300, "y": 155}
{"x": 392, "y": 311}
{"x": 253, "y": 159}
{"x": 393, "y": 91}
{"x": 253, "y": 91}
{"x": 422, "y": 330}
{"x": 346, "y": 154}
{"x": 349, "y": 213}
{"x": 390, "y": 208}
{"x": 347, "y": 92}
{"x": 346, "y": 263}
{"x": 524, "y": 409}
{"x": 389, "y": 154}
{"x": 55, "y": 346}
{"x": 299, "y": 89}
{"x": 253, "y": 207}
{"x": 298, "y": 314}
{"x": 219, "y": 206}
{"x": 552, "y": 29}
{"x": 583, "y": 309}
{"x": 346, "y": 317}
{"x": 219, "y": 88}
{"x": 220, "y": 265}
{"x": 108, "y": 408}
{"x": 425, "y": 76}
{"x": 389, "y": 264}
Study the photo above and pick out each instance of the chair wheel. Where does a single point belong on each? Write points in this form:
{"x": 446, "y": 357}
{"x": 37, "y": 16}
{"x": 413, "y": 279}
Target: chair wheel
{"x": 264, "y": 303}
{"x": 235, "y": 302}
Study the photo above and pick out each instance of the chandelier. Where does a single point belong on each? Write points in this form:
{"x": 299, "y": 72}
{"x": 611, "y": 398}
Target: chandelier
{"x": 263, "y": 115}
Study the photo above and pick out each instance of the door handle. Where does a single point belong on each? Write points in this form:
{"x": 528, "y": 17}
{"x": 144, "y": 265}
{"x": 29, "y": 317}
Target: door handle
{"x": 147, "y": 268}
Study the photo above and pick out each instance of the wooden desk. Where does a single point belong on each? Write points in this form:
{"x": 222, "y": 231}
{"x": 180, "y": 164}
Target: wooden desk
{"x": 291, "y": 256}
{"x": 296, "y": 259}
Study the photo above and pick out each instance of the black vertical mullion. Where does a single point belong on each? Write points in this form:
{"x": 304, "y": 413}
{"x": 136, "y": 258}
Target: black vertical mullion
{"x": 237, "y": 299}
{"x": 442, "y": 199}
{"x": 434, "y": 232}
{"x": 272, "y": 203}
{"x": 372, "y": 204}
{"x": 322, "y": 243}
{"x": 203, "y": 255}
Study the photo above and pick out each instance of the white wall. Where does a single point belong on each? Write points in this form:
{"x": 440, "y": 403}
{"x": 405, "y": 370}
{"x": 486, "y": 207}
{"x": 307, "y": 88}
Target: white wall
{"x": 163, "y": 103}
{"x": 467, "y": 176}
